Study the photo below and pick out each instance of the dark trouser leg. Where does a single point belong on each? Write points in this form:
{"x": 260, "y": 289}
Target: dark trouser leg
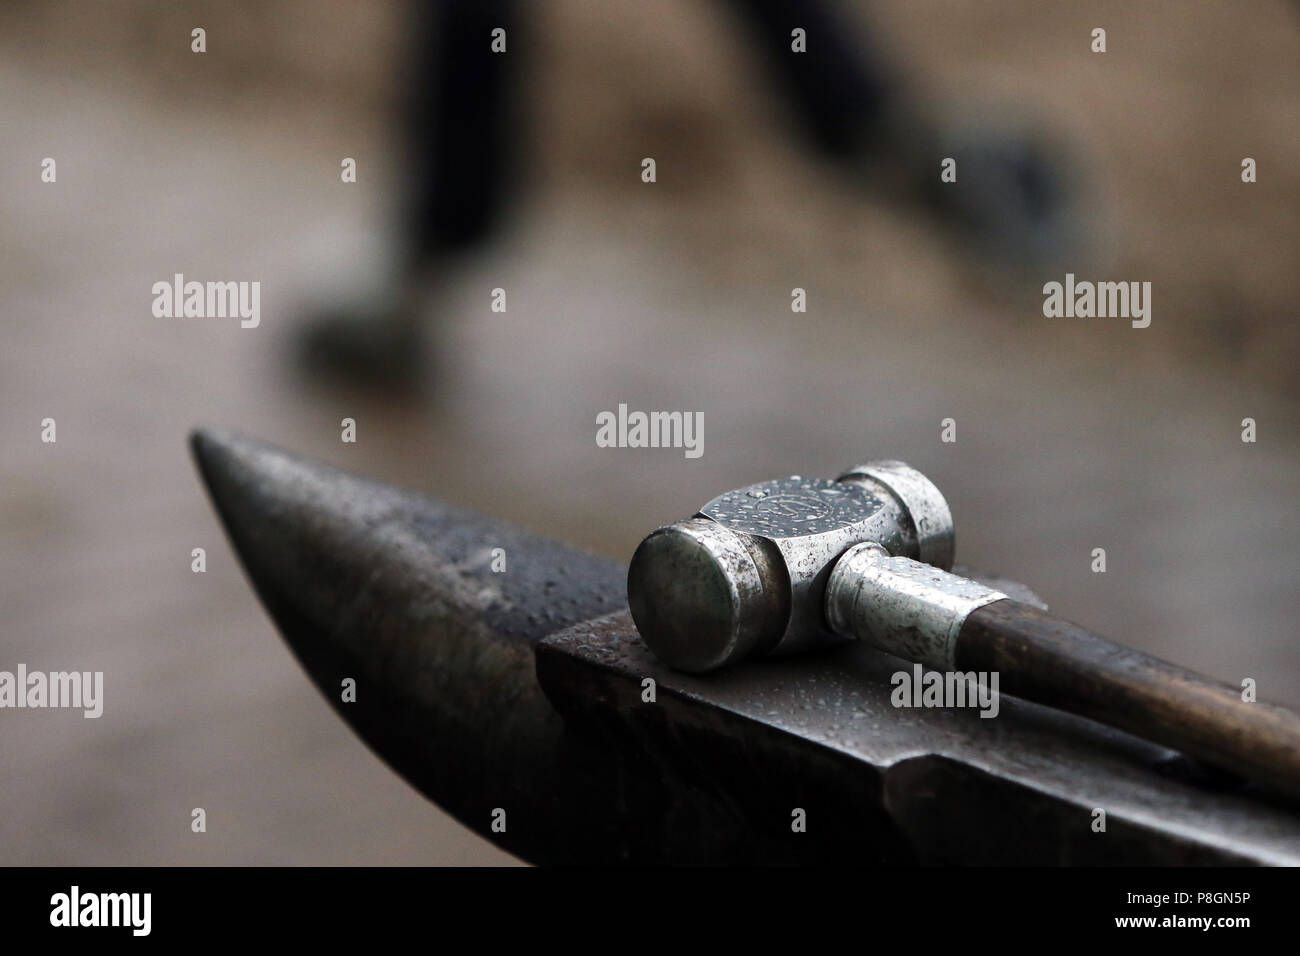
{"x": 1014, "y": 196}
{"x": 839, "y": 89}
{"x": 461, "y": 123}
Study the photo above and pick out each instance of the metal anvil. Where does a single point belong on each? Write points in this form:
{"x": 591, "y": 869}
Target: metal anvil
{"x": 529, "y": 690}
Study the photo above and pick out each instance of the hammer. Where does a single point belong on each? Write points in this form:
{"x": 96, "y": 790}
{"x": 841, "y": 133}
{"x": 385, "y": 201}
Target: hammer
{"x": 795, "y": 563}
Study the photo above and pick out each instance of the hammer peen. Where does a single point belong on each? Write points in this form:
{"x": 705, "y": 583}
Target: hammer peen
{"x": 790, "y": 564}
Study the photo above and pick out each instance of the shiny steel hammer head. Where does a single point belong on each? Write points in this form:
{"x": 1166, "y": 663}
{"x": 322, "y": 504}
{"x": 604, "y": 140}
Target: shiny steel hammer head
{"x": 748, "y": 573}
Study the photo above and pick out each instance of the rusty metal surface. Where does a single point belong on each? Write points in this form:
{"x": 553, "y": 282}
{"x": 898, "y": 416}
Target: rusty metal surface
{"x": 934, "y": 785}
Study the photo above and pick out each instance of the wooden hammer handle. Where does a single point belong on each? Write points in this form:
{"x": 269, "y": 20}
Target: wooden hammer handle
{"x": 1054, "y": 662}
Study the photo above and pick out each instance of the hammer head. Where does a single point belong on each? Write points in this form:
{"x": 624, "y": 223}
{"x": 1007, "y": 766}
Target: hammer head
{"x": 747, "y": 575}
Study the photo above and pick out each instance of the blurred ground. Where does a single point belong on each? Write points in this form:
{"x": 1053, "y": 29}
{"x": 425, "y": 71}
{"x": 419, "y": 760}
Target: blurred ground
{"x": 1071, "y": 435}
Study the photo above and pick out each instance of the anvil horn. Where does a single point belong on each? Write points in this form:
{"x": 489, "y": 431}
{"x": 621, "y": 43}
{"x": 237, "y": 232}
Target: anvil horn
{"x": 530, "y": 691}
{"x": 397, "y": 592}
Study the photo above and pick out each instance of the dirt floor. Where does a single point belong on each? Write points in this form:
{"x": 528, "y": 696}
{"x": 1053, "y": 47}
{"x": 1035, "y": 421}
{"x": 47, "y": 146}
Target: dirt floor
{"x": 1071, "y": 435}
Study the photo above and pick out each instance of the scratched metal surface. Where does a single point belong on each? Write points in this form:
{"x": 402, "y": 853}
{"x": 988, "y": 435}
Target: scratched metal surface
{"x": 1017, "y": 788}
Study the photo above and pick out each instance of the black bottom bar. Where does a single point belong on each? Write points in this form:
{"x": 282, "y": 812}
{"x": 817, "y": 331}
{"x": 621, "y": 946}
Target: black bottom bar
{"x": 333, "y": 906}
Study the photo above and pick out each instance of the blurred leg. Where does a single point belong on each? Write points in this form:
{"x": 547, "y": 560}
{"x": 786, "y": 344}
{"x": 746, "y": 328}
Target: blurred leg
{"x": 840, "y": 89}
{"x": 459, "y": 121}
{"x": 1014, "y": 195}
